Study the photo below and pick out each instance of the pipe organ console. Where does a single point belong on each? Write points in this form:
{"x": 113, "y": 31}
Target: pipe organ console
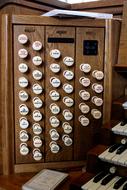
{"x": 54, "y": 93}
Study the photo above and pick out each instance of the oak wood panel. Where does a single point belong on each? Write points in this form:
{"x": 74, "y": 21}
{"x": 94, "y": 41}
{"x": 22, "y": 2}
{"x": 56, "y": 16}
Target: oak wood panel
{"x": 43, "y": 5}
{"x": 66, "y": 49}
{"x": 85, "y": 135}
{"x": 23, "y": 20}
{"x": 37, "y": 34}
{"x": 56, "y": 21}
{"x": 54, "y": 165}
{"x": 96, "y": 4}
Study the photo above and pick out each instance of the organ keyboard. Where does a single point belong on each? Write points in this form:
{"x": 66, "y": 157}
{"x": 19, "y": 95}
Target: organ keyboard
{"x": 116, "y": 154}
{"x": 107, "y": 181}
{"x": 120, "y": 128}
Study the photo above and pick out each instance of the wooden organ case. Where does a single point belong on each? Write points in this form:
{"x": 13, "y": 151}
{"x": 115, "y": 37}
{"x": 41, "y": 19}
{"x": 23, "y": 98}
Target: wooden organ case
{"x": 55, "y": 97}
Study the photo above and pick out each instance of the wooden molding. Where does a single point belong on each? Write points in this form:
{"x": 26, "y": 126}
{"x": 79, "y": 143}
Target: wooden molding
{"x": 97, "y": 4}
{"x": 37, "y": 4}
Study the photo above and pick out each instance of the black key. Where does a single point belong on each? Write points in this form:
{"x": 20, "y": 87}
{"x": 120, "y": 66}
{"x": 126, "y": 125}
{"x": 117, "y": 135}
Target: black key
{"x": 107, "y": 179}
{"x": 123, "y": 122}
{"x": 119, "y": 183}
{"x": 125, "y": 187}
{"x": 121, "y": 149}
{"x": 99, "y": 176}
{"x": 113, "y": 148}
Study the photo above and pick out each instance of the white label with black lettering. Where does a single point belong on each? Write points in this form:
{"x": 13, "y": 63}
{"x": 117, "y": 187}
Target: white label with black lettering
{"x": 23, "y": 109}
{"x": 55, "y": 68}
{"x": 54, "y": 95}
{"x": 23, "y": 122}
{"x": 22, "y": 38}
{"x": 37, "y": 89}
{"x": 69, "y": 75}
{"x": 55, "y": 53}
{"x": 23, "y": 82}
{"x": 23, "y": 96}
{"x": 37, "y": 116}
{"x": 37, "y": 60}
{"x": 37, "y": 75}
{"x": 37, "y": 129}
{"x": 55, "y": 82}
{"x": 23, "y": 53}
{"x": 37, "y": 45}
{"x": 68, "y": 61}
{"x": 23, "y": 68}
{"x": 37, "y": 102}
{"x": 68, "y": 88}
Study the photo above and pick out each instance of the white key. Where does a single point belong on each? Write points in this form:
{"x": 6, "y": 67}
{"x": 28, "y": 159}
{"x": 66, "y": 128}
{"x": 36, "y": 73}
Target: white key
{"x": 104, "y": 187}
{"x": 123, "y": 160}
{"x": 103, "y": 154}
{"x": 118, "y": 129}
{"x": 118, "y": 157}
{"x": 109, "y": 156}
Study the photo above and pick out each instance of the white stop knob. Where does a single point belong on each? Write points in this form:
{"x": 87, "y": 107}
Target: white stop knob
{"x": 37, "y": 129}
{"x": 55, "y": 109}
{"x": 54, "y": 134}
{"x": 67, "y": 140}
{"x": 22, "y": 38}
{"x": 54, "y": 95}
{"x": 85, "y": 95}
{"x": 23, "y": 109}
{"x": 96, "y": 113}
{"x": 24, "y": 137}
{"x": 55, "y": 68}
{"x": 23, "y": 96}
{"x": 24, "y": 150}
{"x": 84, "y": 120}
{"x": 37, "y": 116}
{"x": 97, "y": 101}
{"x": 68, "y": 61}
{"x": 55, "y": 82}
{"x": 54, "y": 121}
{"x": 37, "y": 89}
{"x": 37, "y": 142}
{"x": 68, "y": 88}
{"x": 23, "y": 53}
{"x": 37, "y": 45}
{"x": 67, "y": 115}
{"x": 23, "y": 82}
{"x": 55, "y": 53}
{"x": 23, "y": 68}
{"x": 67, "y": 128}
{"x": 37, "y": 155}
{"x": 37, "y": 102}
{"x": 54, "y": 147}
{"x": 84, "y": 108}
{"x": 23, "y": 122}
{"x": 99, "y": 75}
{"x": 85, "y": 67}
{"x": 69, "y": 75}
{"x": 68, "y": 101}
{"x": 84, "y": 81}
{"x": 98, "y": 88}
{"x": 37, "y": 60}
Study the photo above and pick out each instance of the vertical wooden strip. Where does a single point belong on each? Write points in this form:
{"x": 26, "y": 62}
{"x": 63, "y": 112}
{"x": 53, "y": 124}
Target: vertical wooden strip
{"x": 7, "y": 96}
